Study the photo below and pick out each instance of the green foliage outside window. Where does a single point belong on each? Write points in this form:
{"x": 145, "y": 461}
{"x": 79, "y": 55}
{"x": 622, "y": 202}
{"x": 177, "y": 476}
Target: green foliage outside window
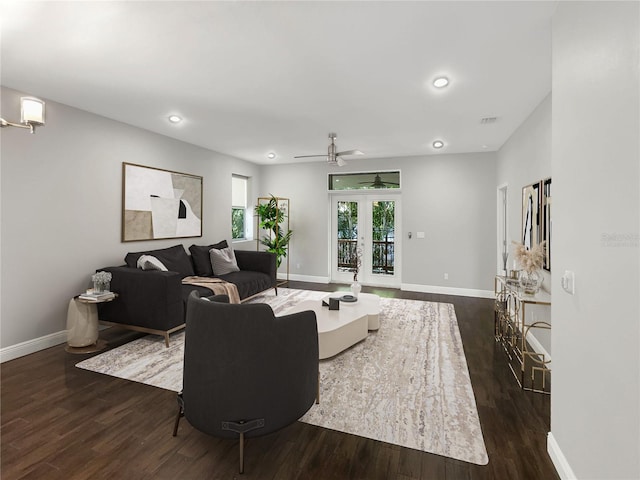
{"x": 237, "y": 223}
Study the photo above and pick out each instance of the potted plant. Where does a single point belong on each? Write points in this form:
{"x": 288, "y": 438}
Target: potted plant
{"x": 270, "y": 217}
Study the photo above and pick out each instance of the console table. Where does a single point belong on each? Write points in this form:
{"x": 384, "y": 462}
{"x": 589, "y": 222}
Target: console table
{"x": 511, "y": 329}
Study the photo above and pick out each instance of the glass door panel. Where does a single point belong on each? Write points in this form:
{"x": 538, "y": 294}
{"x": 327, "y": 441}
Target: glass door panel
{"x": 347, "y": 235}
{"x": 383, "y": 237}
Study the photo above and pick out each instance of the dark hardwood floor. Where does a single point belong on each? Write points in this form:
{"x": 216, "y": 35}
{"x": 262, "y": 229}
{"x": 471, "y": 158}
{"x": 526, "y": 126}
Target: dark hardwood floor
{"x": 60, "y": 422}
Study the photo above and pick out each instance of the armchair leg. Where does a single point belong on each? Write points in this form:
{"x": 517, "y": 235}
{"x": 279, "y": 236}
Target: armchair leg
{"x": 241, "y": 452}
{"x": 179, "y": 415}
{"x": 242, "y": 427}
{"x": 175, "y": 425}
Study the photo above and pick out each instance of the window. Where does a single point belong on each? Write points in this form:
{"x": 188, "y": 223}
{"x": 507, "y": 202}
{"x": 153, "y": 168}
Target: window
{"x": 364, "y": 181}
{"x": 238, "y": 207}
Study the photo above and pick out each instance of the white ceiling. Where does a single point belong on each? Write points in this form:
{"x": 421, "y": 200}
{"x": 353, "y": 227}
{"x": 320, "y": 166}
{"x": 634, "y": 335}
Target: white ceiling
{"x": 251, "y": 78}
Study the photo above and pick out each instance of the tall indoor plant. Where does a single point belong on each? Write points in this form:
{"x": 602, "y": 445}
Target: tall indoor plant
{"x": 271, "y": 217}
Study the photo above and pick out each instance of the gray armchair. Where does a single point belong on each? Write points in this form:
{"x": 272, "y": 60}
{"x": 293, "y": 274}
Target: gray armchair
{"x": 246, "y": 372}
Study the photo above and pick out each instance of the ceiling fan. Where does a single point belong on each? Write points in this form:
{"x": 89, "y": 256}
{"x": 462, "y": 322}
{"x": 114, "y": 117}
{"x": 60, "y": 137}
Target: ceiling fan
{"x": 378, "y": 183}
{"x": 333, "y": 157}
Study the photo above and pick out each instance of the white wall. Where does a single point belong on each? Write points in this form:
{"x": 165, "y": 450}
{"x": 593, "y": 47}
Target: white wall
{"x": 595, "y": 404}
{"x": 449, "y": 197}
{"x": 61, "y": 209}
{"x": 525, "y": 159}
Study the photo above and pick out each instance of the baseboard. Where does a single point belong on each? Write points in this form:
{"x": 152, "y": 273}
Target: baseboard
{"x": 31, "y": 346}
{"x": 303, "y": 278}
{"x": 559, "y": 460}
{"x": 462, "y": 292}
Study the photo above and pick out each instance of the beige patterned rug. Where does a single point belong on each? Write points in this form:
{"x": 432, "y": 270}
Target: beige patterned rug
{"x": 406, "y": 384}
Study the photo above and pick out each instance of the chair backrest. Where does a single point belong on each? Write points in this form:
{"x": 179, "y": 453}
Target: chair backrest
{"x": 242, "y": 363}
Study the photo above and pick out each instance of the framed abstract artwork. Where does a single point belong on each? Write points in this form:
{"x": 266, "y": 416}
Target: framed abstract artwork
{"x": 546, "y": 221}
{"x": 531, "y": 215}
{"x": 536, "y": 217}
{"x": 159, "y": 204}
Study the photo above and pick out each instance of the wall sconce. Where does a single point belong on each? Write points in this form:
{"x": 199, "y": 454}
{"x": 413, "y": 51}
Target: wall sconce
{"x": 31, "y": 114}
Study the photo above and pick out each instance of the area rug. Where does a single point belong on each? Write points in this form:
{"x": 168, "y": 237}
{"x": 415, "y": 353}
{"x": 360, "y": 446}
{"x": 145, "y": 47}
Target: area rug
{"x": 405, "y": 384}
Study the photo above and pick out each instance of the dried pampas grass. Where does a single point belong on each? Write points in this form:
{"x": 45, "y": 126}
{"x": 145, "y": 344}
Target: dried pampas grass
{"x": 530, "y": 260}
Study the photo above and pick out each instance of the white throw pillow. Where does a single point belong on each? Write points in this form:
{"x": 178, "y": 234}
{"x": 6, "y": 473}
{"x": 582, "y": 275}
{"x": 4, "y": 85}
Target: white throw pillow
{"x": 149, "y": 262}
{"x": 223, "y": 261}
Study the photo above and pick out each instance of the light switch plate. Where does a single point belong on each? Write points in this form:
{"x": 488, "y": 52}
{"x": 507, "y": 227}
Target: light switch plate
{"x": 568, "y": 282}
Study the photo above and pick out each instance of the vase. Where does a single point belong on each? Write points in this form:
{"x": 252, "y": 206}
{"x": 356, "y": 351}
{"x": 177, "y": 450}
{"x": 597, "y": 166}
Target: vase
{"x": 530, "y": 282}
{"x": 100, "y": 286}
{"x": 355, "y": 289}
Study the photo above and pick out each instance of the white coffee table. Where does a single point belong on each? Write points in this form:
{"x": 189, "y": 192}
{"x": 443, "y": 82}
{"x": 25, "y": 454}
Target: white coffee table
{"x": 340, "y": 329}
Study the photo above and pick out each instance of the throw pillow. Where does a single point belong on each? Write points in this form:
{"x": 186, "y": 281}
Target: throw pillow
{"x": 148, "y": 262}
{"x": 223, "y": 261}
{"x": 201, "y": 258}
{"x": 174, "y": 258}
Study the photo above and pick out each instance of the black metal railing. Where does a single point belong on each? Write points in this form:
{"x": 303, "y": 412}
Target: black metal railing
{"x": 383, "y": 255}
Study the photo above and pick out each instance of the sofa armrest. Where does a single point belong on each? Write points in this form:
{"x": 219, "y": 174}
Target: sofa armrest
{"x": 150, "y": 299}
{"x": 254, "y": 261}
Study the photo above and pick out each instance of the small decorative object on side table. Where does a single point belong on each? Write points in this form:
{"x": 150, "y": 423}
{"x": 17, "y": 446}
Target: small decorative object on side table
{"x": 101, "y": 282}
{"x": 531, "y": 261}
{"x": 356, "y": 262}
{"x": 82, "y": 321}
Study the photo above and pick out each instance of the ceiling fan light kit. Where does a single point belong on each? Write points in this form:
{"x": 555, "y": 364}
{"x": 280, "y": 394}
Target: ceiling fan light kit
{"x": 333, "y": 157}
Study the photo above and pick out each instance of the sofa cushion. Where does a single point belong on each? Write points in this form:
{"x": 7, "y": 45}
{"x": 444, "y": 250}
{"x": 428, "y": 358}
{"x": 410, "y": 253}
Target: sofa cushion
{"x": 174, "y": 258}
{"x": 201, "y": 258}
{"x": 223, "y": 261}
{"x": 249, "y": 283}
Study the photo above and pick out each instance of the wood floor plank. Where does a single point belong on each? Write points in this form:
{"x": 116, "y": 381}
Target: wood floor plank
{"x": 61, "y": 422}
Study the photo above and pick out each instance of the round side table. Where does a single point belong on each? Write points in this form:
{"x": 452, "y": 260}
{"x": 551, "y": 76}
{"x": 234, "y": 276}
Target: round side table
{"x": 82, "y": 326}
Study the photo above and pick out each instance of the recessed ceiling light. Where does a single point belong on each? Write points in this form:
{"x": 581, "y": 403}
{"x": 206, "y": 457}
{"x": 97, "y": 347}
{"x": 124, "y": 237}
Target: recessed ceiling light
{"x": 438, "y": 144}
{"x": 175, "y": 119}
{"x": 441, "y": 82}
{"x": 271, "y": 155}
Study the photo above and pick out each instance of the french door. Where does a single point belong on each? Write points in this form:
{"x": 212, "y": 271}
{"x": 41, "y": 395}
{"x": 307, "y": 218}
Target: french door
{"x": 365, "y": 233}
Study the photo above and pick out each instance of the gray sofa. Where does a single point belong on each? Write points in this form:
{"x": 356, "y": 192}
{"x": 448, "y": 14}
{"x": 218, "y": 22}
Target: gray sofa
{"x": 155, "y": 301}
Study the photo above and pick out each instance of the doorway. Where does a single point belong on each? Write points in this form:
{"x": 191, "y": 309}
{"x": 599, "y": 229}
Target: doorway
{"x": 502, "y": 233}
{"x": 366, "y": 228}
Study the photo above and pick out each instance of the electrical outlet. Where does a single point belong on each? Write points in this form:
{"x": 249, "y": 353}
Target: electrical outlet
{"x": 446, "y": 276}
{"x": 298, "y": 266}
